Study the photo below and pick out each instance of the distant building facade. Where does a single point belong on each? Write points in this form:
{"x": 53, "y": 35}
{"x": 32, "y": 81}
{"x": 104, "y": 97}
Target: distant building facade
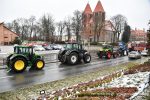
{"x": 6, "y": 35}
{"x": 138, "y": 35}
{"x": 95, "y": 27}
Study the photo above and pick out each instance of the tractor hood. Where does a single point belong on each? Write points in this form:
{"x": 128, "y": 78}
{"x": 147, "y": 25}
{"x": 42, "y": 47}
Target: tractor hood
{"x": 102, "y": 49}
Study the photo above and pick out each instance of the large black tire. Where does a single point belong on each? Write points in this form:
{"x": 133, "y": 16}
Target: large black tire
{"x": 115, "y": 55}
{"x": 38, "y": 64}
{"x": 18, "y": 64}
{"x": 8, "y": 60}
{"x": 64, "y": 59}
{"x": 73, "y": 58}
{"x": 87, "y": 58}
{"x": 100, "y": 55}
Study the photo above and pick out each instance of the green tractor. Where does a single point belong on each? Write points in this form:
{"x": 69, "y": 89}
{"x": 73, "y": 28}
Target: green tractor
{"x": 108, "y": 51}
{"x": 22, "y": 57}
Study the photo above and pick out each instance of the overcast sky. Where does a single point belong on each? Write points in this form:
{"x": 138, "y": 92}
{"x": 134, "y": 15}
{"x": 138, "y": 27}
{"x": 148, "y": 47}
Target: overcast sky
{"x": 136, "y": 11}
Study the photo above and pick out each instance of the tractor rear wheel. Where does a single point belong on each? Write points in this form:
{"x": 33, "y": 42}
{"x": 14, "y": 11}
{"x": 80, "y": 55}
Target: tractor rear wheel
{"x": 18, "y": 64}
{"x": 87, "y": 58}
{"x": 39, "y": 64}
{"x": 73, "y": 58}
{"x": 115, "y": 55}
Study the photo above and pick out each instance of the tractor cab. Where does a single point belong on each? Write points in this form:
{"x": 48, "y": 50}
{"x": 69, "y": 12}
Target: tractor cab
{"x": 24, "y": 50}
{"x": 73, "y": 46}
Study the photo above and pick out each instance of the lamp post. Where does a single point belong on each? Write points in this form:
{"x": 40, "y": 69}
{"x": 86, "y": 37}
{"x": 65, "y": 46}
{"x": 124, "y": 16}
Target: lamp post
{"x": 148, "y": 38}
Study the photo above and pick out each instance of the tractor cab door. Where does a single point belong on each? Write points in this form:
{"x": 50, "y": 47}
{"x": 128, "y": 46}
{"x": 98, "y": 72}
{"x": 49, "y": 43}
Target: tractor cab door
{"x": 30, "y": 53}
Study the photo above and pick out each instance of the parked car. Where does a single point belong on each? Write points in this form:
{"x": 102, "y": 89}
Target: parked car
{"x": 134, "y": 54}
{"x": 38, "y": 48}
{"x": 57, "y": 47}
{"x": 144, "y": 53}
{"x": 48, "y": 47}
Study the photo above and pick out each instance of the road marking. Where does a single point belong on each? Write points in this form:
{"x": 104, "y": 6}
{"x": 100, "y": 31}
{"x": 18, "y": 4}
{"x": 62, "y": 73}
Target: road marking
{"x": 6, "y": 77}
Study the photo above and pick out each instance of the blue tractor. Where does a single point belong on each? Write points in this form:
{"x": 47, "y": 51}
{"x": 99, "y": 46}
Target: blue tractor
{"x": 123, "y": 49}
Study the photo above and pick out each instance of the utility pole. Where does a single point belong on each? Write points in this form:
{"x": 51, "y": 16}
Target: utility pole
{"x": 148, "y": 38}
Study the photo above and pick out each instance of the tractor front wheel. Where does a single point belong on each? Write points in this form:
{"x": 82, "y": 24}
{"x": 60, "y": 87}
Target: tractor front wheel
{"x": 87, "y": 58}
{"x": 115, "y": 55}
{"x": 18, "y": 64}
{"x": 73, "y": 58}
{"x": 39, "y": 64}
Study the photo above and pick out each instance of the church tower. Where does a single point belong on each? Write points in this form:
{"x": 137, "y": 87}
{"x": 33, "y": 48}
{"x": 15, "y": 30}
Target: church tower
{"x": 98, "y": 21}
{"x": 92, "y": 23}
{"x": 87, "y": 20}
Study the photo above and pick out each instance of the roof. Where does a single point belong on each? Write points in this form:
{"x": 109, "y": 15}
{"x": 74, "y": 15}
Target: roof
{"x": 99, "y": 7}
{"x": 138, "y": 32}
{"x": 8, "y": 28}
{"x": 88, "y": 9}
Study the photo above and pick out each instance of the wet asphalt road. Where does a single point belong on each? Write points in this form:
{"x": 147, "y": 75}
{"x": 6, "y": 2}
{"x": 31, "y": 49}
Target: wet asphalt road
{"x": 51, "y": 72}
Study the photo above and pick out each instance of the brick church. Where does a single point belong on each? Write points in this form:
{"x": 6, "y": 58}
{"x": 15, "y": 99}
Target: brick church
{"x": 95, "y": 27}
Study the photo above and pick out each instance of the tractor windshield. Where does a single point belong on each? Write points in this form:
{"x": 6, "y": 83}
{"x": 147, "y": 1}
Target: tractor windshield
{"x": 73, "y": 46}
{"x": 22, "y": 50}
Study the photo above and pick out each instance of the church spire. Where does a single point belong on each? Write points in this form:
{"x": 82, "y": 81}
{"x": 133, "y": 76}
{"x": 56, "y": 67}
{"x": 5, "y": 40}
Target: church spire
{"x": 88, "y": 9}
{"x": 99, "y": 7}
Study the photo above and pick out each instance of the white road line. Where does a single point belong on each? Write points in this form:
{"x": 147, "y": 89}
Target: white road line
{"x": 6, "y": 77}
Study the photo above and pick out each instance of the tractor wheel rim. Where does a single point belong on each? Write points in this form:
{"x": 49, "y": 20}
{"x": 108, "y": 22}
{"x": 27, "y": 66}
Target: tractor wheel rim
{"x": 19, "y": 65}
{"x": 73, "y": 59}
{"x": 88, "y": 58}
{"x": 40, "y": 64}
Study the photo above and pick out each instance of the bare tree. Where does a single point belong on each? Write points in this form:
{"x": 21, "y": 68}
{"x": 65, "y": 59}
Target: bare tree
{"x": 61, "y": 27}
{"x": 68, "y": 27}
{"x": 118, "y": 22}
{"x": 37, "y": 32}
{"x": 31, "y": 22}
{"x": 77, "y": 24}
{"x": 24, "y": 28}
{"x": 99, "y": 22}
{"x": 14, "y": 26}
{"x": 48, "y": 28}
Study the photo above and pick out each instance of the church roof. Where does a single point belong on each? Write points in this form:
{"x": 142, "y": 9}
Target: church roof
{"x": 99, "y": 7}
{"x": 88, "y": 9}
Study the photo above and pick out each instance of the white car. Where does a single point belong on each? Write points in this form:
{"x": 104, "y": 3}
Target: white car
{"x": 144, "y": 53}
{"x": 57, "y": 47}
{"x": 134, "y": 54}
{"x": 38, "y": 48}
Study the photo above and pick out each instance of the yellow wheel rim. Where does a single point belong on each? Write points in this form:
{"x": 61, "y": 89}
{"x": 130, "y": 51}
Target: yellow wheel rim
{"x": 40, "y": 64}
{"x": 19, "y": 65}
